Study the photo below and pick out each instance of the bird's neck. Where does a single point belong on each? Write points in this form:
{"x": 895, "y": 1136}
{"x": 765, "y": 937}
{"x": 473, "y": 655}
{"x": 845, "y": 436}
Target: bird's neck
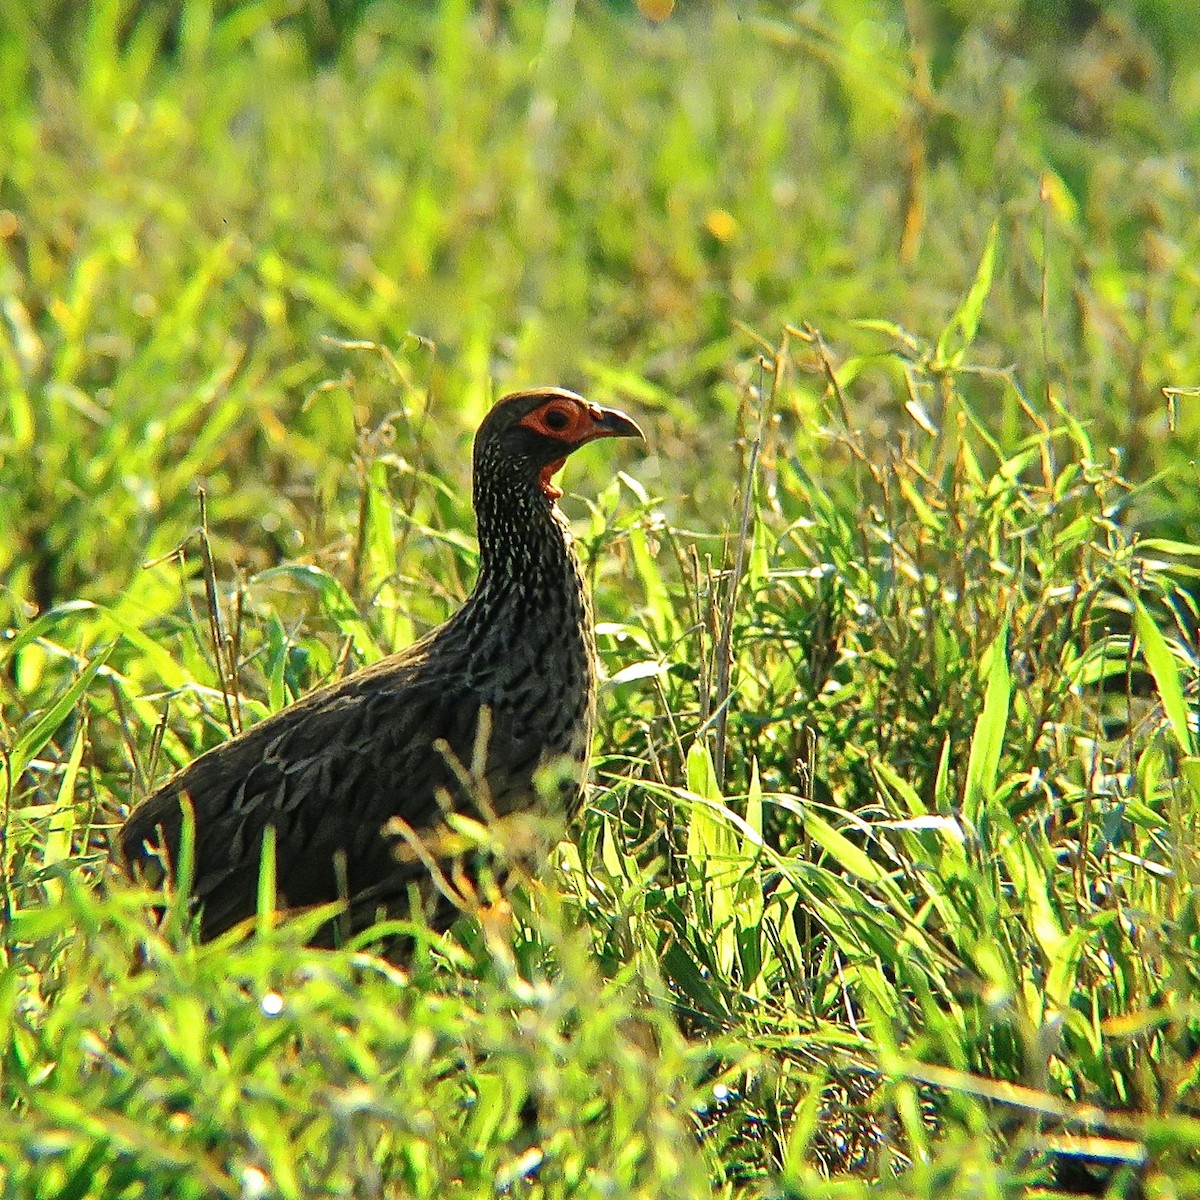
{"x": 525, "y": 545}
{"x": 530, "y": 610}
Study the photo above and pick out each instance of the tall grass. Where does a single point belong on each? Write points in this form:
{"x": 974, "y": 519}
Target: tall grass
{"x": 886, "y": 879}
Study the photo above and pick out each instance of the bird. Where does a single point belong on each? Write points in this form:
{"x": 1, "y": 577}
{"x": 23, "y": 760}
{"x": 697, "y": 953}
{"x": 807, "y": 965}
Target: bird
{"x": 359, "y": 777}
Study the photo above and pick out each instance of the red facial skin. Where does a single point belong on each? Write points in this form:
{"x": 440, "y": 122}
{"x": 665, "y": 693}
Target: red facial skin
{"x": 570, "y": 421}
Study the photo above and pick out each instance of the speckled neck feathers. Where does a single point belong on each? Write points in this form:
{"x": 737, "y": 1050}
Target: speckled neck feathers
{"x": 529, "y": 616}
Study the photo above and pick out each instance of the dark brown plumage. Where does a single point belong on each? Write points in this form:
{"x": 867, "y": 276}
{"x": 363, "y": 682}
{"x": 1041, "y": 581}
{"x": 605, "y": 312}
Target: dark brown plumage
{"x": 400, "y": 737}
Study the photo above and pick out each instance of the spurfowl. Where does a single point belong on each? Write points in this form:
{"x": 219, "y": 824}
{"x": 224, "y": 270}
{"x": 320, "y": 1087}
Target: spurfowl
{"x": 460, "y": 721}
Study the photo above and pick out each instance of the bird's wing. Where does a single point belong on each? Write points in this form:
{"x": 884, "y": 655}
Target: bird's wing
{"x": 327, "y": 773}
{"x": 304, "y": 771}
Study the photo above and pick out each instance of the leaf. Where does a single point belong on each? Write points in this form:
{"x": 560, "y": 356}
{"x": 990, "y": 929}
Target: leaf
{"x": 335, "y": 603}
{"x": 1167, "y": 546}
{"x": 758, "y": 567}
{"x": 659, "y": 608}
{"x": 379, "y": 550}
{"x": 640, "y": 670}
{"x": 634, "y": 485}
{"x": 921, "y": 418}
{"x": 840, "y": 848}
{"x": 265, "y": 908}
{"x": 941, "y": 783}
{"x": 898, "y": 786}
{"x": 754, "y": 812}
{"x": 180, "y": 909}
{"x": 987, "y": 740}
{"x": 701, "y": 776}
{"x": 807, "y": 1118}
{"x": 1190, "y": 767}
{"x": 680, "y": 967}
{"x": 33, "y": 740}
{"x": 610, "y": 856}
{"x": 57, "y": 847}
{"x": 750, "y": 902}
{"x": 1030, "y": 873}
{"x": 712, "y": 851}
{"x": 328, "y": 297}
{"x": 1064, "y": 964}
{"x": 961, "y": 329}
{"x": 1165, "y": 669}
{"x": 1055, "y": 192}
{"x": 877, "y": 325}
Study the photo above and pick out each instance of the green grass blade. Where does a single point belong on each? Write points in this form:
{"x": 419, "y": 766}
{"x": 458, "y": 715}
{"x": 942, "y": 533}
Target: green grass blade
{"x": 1167, "y": 676}
{"x": 842, "y": 850}
{"x": 987, "y": 741}
{"x": 179, "y": 911}
{"x": 57, "y": 846}
{"x": 267, "y": 875}
{"x": 335, "y": 602}
{"x": 659, "y": 608}
{"x": 961, "y": 330}
{"x": 30, "y": 743}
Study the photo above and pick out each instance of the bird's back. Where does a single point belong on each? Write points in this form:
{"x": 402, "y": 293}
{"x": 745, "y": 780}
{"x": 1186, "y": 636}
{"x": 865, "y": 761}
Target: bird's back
{"x": 452, "y": 724}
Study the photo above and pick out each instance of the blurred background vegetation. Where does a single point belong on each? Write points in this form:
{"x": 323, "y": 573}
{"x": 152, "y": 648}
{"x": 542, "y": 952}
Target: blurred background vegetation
{"x": 887, "y": 876}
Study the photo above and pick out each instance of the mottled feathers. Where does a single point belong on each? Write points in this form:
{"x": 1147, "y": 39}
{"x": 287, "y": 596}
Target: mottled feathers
{"x": 461, "y": 721}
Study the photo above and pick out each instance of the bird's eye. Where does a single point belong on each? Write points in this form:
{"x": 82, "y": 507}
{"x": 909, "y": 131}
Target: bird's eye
{"x": 557, "y": 419}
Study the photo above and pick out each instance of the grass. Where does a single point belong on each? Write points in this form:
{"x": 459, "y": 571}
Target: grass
{"x": 887, "y": 878}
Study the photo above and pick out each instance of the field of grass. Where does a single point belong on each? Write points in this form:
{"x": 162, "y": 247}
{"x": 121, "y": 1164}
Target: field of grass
{"x": 887, "y": 880}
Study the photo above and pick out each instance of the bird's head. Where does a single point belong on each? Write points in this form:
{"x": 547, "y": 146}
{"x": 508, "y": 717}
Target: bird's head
{"x": 533, "y": 432}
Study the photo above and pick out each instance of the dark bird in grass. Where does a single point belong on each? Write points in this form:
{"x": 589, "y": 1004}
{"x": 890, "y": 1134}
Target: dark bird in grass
{"x": 357, "y": 778}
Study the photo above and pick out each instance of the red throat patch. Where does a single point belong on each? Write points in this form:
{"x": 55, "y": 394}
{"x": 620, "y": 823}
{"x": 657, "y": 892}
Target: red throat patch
{"x": 547, "y": 483}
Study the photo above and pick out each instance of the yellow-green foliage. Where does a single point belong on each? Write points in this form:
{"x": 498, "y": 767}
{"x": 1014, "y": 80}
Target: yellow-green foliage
{"x": 887, "y": 882}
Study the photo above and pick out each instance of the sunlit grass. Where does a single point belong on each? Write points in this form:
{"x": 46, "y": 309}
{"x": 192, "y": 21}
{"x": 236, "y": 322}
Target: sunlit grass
{"x": 887, "y": 878}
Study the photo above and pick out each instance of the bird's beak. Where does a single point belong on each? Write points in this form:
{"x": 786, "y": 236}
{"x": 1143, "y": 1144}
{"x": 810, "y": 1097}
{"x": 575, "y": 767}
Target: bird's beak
{"x": 611, "y": 422}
